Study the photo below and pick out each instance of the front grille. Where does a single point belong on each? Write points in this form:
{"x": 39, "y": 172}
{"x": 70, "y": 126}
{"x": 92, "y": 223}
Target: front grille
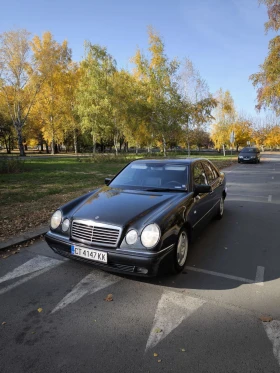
{"x": 97, "y": 233}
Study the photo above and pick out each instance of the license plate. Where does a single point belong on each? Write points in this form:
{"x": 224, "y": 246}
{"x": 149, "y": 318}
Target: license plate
{"x": 96, "y": 255}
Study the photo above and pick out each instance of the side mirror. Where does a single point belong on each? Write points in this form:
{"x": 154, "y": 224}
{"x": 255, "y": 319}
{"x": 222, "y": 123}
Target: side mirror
{"x": 107, "y": 181}
{"x": 200, "y": 189}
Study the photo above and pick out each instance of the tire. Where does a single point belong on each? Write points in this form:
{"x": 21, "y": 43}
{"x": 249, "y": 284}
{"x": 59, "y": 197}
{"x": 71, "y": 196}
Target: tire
{"x": 180, "y": 253}
{"x": 220, "y": 213}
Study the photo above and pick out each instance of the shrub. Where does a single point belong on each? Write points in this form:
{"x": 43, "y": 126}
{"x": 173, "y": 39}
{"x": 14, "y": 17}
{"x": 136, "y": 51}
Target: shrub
{"x": 11, "y": 165}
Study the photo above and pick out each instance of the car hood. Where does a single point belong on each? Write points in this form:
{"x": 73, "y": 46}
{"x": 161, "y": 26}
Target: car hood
{"x": 121, "y": 207}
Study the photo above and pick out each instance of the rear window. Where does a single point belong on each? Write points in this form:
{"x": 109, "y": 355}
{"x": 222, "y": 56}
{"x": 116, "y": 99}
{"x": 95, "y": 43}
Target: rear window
{"x": 249, "y": 150}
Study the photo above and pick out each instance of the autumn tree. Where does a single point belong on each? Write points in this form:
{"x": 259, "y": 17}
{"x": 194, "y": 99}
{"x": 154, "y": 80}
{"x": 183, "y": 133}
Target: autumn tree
{"x": 52, "y": 61}
{"x": 273, "y": 12}
{"x": 6, "y": 126}
{"x": 225, "y": 117}
{"x": 19, "y": 80}
{"x": 267, "y": 81}
{"x": 243, "y": 130}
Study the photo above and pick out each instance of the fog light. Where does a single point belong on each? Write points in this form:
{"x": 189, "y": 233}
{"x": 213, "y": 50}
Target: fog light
{"x": 144, "y": 271}
{"x": 65, "y": 225}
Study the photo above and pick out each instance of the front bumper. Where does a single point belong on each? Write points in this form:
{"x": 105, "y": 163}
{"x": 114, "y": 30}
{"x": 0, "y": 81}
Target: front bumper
{"x": 120, "y": 261}
{"x": 250, "y": 160}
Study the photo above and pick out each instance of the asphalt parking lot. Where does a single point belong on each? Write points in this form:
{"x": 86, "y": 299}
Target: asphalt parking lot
{"x": 211, "y": 318}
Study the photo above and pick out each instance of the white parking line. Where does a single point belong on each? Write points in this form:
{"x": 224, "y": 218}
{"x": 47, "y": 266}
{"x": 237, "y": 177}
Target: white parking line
{"x": 259, "y": 275}
{"x": 90, "y": 284}
{"x": 245, "y": 195}
{"x": 25, "y": 279}
{"x": 33, "y": 265}
{"x": 172, "y": 309}
{"x": 270, "y": 198}
{"x": 31, "y": 269}
{"x": 273, "y": 332}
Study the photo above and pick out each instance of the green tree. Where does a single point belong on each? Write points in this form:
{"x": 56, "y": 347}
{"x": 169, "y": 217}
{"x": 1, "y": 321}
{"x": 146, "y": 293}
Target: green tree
{"x": 159, "y": 73}
{"x": 94, "y": 99}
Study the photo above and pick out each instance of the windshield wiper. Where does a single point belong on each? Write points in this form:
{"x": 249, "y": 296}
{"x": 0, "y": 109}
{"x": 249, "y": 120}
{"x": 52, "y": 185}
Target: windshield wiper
{"x": 164, "y": 190}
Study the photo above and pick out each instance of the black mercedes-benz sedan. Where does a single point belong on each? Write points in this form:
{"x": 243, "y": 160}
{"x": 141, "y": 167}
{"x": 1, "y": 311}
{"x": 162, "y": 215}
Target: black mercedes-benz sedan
{"x": 148, "y": 212}
{"x": 249, "y": 154}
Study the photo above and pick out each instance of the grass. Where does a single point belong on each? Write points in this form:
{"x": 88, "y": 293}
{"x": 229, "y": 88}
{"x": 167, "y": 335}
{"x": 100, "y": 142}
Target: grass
{"x": 28, "y": 199}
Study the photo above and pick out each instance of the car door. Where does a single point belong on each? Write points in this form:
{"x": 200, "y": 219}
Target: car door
{"x": 203, "y": 202}
{"x": 215, "y": 182}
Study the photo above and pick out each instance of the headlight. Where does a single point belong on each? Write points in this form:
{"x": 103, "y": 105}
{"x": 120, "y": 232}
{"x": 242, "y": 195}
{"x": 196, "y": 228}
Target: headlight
{"x": 65, "y": 225}
{"x": 241, "y": 156}
{"x": 56, "y": 219}
{"x": 253, "y": 156}
{"x": 131, "y": 237}
{"x": 150, "y": 236}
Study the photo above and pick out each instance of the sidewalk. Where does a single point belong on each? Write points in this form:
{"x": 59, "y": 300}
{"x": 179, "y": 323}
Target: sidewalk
{"x": 29, "y": 235}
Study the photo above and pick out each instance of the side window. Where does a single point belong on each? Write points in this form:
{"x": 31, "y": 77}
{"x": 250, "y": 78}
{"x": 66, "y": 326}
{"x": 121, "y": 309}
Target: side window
{"x": 211, "y": 173}
{"x": 199, "y": 176}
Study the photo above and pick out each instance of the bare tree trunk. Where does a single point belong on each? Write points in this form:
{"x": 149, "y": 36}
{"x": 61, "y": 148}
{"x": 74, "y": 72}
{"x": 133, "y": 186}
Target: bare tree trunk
{"x": 116, "y": 143}
{"x": 164, "y": 145}
{"x": 51, "y": 119}
{"x": 53, "y": 145}
{"x": 8, "y": 149}
{"x": 47, "y": 148}
{"x": 93, "y": 144}
{"x": 75, "y": 142}
{"x": 20, "y": 141}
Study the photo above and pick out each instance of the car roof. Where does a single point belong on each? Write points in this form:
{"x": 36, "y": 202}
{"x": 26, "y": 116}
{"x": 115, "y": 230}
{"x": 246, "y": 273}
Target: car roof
{"x": 174, "y": 160}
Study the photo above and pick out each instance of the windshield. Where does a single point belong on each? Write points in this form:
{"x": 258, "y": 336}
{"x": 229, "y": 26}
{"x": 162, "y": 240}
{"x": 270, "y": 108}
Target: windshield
{"x": 153, "y": 176}
{"x": 249, "y": 150}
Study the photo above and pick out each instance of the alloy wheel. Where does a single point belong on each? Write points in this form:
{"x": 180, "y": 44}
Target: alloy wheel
{"x": 182, "y": 248}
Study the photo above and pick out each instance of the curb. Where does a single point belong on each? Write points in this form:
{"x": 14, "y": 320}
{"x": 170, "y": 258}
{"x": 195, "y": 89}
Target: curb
{"x": 24, "y": 237}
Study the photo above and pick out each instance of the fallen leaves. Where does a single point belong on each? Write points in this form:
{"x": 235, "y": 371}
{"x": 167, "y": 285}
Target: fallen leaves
{"x": 155, "y": 354}
{"x": 4, "y": 323}
{"x": 159, "y": 361}
{"x": 40, "y": 310}
{"x": 157, "y": 330}
{"x": 266, "y": 318}
{"x": 182, "y": 350}
{"x": 109, "y": 298}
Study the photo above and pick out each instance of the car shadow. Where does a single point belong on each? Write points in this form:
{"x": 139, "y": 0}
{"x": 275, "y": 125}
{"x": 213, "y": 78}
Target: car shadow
{"x": 245, "y": 239}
